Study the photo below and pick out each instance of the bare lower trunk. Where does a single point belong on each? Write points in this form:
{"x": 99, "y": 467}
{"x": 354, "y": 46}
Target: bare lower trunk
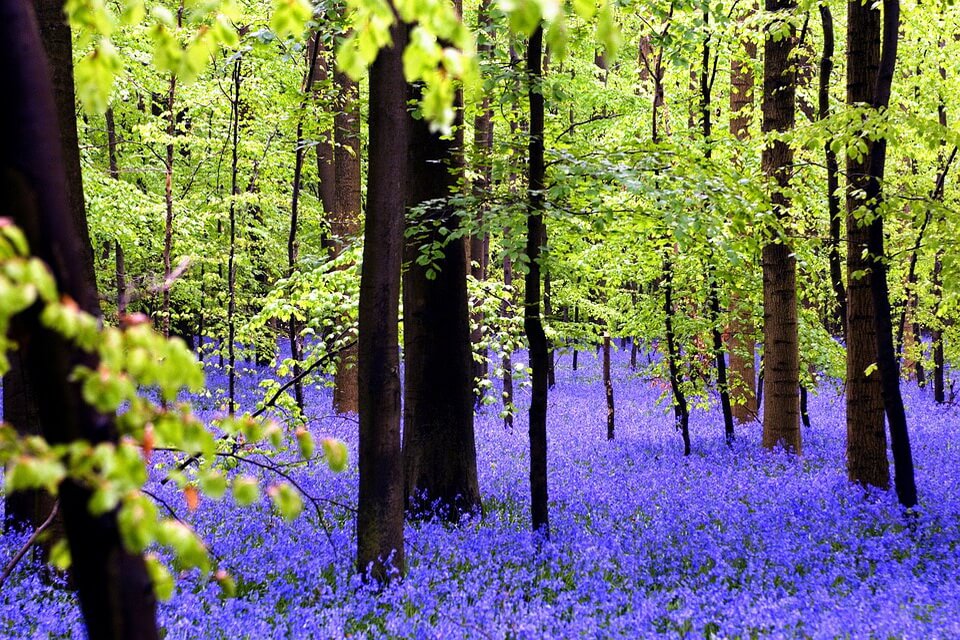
{"x": 866, "y": 438}
{"x": 115, "y": 592}
{"x": 532, "y": 322}
{"x": 380, "y": 496}
{"x": 781, "y": 408}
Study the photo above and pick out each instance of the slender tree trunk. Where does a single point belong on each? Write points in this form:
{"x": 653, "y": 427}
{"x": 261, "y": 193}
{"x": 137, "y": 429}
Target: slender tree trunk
{"x": 576, "y": 320}
{"x": 114, "y": 170}
{"x": 232, "y": 256}
{"x": 608, "y": 386}
{"x": 833, "y": 175}
{"x": 742, "y": 345}
{"x": 939, "y": 396}
{"x": 548, "y": 313}
{"x": 121, "y": 279}
{"x": 532, "y": 322}
{"x": 115, "y": 592}
{"x": 483, "y": 152}
{"x": 781, "y": 408}
{"x": 293, "y": 327}
{"x": 507, "y": 361}
{"x": 439, "y": 448}
{"x": 866, "y": 440}
{"x": 380, "y": 498}
{"x": 681, "y": 413}
{"x": 168, "y": 204}
{"x": 706, "y": 124}
{"x": 889, "y": 368}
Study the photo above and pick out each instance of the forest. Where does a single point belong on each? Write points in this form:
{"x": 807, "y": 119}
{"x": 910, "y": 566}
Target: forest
{"x": 487, "y": 319}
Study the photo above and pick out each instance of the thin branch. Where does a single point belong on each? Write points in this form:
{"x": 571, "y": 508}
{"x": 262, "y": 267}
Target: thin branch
{"x": 29, "y": 543}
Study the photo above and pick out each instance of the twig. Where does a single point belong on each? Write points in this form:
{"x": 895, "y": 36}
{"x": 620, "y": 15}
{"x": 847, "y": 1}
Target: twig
{"x": 29, "y": 543}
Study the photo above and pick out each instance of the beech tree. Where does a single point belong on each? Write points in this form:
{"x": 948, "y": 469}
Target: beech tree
{"x": 866, "y": 438}
{"x": 380, "y": 501}
{"x": 781, "y": 408}
{"x": 114, "y": 589}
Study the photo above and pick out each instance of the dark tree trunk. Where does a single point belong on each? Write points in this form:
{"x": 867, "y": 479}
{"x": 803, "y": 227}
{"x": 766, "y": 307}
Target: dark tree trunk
{"x": 121, "y": 279}
{"x": 939, "y": 395}
{"x": 681, "y": 413}
{"x": 532, "y": 322}
{"x": 30, "y": 508}
{"x": 833, "y": 175}
{"x": 866, "y": 440}
{"x": 576, "y": 319}
{"x": 232, "y": 255}
{"x": 507, "y": 361}
{"x": 706, "y": 89}
{"x": 115, "y": 592}
{"x": 380, "y": 498}
{"x": 781, "y": 408}
{"x": 114, "y": 170}
{"x": 439, "y": 448}
{"x": 608, "y": 386}
{"x": 293, "y": 244}
{"x": 804, "y": 413}
{"x": 889, "y": 367}
{"x": 345, "y": 224}
{"x": 548, "y": 312}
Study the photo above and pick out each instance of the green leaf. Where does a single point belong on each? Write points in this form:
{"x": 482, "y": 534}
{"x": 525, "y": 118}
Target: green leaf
{"x": 60, "y": 554}
{"x": 305, "y": 443}
{"x": 160, "y": 577}
{"x": 246, "y": 490}
{"x": 213, "y": 484}
{"x": 335, "y": 452}
{"x": 290, "y": 17}
{"x": 94, "y": 75}
{"x": 286, "y": 500}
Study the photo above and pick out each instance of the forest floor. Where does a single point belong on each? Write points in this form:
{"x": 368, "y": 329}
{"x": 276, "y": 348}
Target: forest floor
{"x": 726, "y": 543}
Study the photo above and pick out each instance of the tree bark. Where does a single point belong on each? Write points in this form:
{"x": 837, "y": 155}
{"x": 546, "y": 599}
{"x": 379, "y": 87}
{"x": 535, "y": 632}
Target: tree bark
{"x": 833, "y": 175}
{"x": 483, "y": 153}
{"x": 781, "y": 408}
{"x": 439, "y": 448}
{"x": 115, "y": 592}
{"x": 532, "y": 322}
{"x": 742, "y": 346}
{"x": 608, "y": 387}
{"x": 345, "y": 224}
{"x": 380, "y": 498}
{"x": 889, "y": 367}
{"x": 866, "y": 439}
{"x": 507, "y": 362}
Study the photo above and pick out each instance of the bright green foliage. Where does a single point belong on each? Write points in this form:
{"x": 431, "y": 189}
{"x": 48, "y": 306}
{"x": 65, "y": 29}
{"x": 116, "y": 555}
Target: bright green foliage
{"x": 132, "y": 360}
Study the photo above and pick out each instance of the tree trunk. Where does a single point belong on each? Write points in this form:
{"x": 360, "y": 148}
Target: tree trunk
{"x": 483, "y": 153}
{"x": 939, "y": 395}
{"x": 833, "y": 175}
{"x": 781, "y": 408}
{"x": 232, "y": 255}
{"x": 866, "y": 439}
{"x": 439, "y": 448}
{"x": 742, "y": 346}
{"x": 532, "y": 322}
{"x": 889, "y": 367}
{"x": 380, "y": 497}
{"x": 681, "y": 412}
{"x": 115, "y": 592}
{"x": 608, "y": 386}
{"x": 345, "y": 224}
{"x": 507, "y": 361}
{"x": 706, "y": 125}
